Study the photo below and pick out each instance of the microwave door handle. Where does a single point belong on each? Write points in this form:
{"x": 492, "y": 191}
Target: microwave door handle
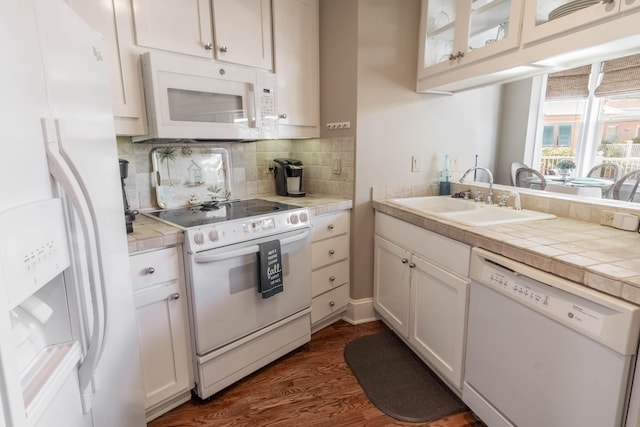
{"x": 204, "y": 258}
{"x": 253, "y": 107}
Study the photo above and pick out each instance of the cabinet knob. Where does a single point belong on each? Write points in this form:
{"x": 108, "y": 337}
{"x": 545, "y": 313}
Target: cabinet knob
{"x": 332, "y": 252}
{"x": 332, "y": 303}
{"x": 404, "y": 260}
{"x": 224, "y": 49}
{"x": 174, "y": 296}
{"x": 208, "y": 46}
{"x": 412, "y": 265}
{"x": 332, "y": 278}
{"x": 330, "y": 226}
{"x": 283, "y": 116}
{"x": 150, "y": 270}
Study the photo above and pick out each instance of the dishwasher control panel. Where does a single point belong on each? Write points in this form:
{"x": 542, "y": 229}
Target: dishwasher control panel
{"x": 520, "y": 290}
{"x": 571, "y": 310}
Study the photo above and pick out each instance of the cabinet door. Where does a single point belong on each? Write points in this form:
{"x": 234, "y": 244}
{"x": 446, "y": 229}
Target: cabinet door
{"x": 296, "y": 52}
{"x": 113, "y": 20}
{"x": 629, "y": 4}
{"x": 242, "y": 32}
{"x": 162, "y": 334}
{"x": 391, "y": 284}
{"x": 545, "y": 19}
{"x": 459, "y": 32}
{"x": 182, "y": 26}
{"x": 438, "y": 313}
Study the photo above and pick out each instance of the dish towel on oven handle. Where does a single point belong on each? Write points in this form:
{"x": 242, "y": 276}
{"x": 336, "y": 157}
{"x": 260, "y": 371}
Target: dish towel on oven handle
{"x": 270, "y": 260}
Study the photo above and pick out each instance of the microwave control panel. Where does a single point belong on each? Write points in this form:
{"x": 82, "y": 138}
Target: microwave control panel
{"x": 266, "y": 100}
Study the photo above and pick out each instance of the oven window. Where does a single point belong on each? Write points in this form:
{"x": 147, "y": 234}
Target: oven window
{"x": 246, "y": 275}
{"x": 197, "y": 106}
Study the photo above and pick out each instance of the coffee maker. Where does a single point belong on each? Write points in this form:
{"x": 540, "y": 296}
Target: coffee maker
{"x": 129, "y": 215}
{"x": 288, "y": 174}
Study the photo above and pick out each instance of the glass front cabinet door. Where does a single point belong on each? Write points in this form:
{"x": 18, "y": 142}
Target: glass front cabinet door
{"x": 545, "y": 19}
{"x": 458, "y": 32}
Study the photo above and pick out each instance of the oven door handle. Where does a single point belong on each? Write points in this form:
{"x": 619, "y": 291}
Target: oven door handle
{"x": 204, "y": 258}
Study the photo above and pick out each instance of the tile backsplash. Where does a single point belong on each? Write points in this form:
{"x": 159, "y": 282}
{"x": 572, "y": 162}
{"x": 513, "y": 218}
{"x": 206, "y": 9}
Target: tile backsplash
{"x": 328, "y": 167}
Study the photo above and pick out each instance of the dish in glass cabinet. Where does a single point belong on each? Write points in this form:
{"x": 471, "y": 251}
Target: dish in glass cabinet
{"x": 570, "y": 7}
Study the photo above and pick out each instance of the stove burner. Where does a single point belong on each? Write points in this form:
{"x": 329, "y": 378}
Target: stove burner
{"x": 261, "y": 209}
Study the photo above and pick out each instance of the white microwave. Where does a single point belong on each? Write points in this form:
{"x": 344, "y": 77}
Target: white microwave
{"x": 196, "y": 98}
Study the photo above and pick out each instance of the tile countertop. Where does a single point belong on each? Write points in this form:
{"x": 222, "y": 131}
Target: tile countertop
{"x": 149, "y": 234}
{"x": 600, "y": 257}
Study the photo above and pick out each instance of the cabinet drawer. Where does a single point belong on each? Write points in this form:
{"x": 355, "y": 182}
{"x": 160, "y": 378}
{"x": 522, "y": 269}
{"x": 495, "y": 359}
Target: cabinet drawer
{"x": 329, "y": 302}
{"x": 329, "y": 277}
{"x": 329, "y": 251}
{"x": 151, "y": 268}
{"x": 327, "y": 226}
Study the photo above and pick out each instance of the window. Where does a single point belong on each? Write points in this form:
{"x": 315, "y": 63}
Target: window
{"x": 564, "y": 135}
{"x": 591, "y": 115}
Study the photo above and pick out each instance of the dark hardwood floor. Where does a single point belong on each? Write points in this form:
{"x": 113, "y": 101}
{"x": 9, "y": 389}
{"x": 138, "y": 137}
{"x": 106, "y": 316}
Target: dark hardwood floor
{"x": 312, "y": 386}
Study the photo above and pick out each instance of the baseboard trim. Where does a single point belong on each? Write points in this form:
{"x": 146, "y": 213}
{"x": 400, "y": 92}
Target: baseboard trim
{"x": 360, "y": 311}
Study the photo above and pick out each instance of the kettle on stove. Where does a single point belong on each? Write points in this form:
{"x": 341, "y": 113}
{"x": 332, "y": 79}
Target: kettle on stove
{"x": 288, "y": 173}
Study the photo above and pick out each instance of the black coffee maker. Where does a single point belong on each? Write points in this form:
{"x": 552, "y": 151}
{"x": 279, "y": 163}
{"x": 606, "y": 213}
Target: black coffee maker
{"x": 288, "y": 174}
{"x": 129, "y": 215}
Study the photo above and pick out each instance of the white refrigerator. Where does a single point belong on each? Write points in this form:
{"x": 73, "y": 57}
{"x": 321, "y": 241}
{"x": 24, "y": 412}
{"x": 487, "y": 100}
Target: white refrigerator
{"x": 68, "y": 345}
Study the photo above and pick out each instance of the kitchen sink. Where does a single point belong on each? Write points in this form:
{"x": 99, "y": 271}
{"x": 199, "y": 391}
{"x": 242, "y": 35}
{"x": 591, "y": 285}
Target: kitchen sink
{"x": 468, "y": 212}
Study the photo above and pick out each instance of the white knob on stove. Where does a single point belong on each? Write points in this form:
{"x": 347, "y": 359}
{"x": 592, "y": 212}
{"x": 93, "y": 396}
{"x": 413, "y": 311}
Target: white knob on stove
{"x": 198, "y": 238}
{"x": 213, "y": 235}
{"x": 294, "y": 219}
{"x": 304, "y": 217}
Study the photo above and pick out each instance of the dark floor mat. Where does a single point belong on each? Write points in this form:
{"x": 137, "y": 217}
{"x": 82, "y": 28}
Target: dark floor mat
{"x": 397, "y": 382}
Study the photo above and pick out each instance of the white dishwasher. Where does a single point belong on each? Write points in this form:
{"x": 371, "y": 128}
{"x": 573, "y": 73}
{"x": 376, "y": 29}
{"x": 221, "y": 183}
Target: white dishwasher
{"x": 544, "y": 351}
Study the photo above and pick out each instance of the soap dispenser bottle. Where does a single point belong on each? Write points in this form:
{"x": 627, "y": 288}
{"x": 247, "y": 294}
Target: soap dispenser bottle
{"x": 445, "y": 184}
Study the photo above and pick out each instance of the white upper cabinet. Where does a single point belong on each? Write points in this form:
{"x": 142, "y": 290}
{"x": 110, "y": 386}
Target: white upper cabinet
{"x": 174, "y": 25}
{"x": 551, "y": 18}
{"x": 242, "y": 32}
{"x": 231, "y": 30}
{"x": 113, "y": 20}
{"x": 458, "y": 32}
{"x": 297, "y": 62}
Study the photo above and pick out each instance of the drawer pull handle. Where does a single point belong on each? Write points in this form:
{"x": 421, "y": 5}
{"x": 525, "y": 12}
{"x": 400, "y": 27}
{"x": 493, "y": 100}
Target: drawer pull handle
{"x": 175, "y": 296}
{"x": 332, "y": 252}
{"x": 330, "y": 226}
{"x": 332, "y": 303}
{"x": 150, "y": 270}
{"x": 412, "y": 265}
{"x": 332, "y": 278}
{"x": 404, "y": 260}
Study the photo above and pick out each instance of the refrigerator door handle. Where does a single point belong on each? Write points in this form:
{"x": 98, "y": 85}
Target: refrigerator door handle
{"x": 65, "y": 173}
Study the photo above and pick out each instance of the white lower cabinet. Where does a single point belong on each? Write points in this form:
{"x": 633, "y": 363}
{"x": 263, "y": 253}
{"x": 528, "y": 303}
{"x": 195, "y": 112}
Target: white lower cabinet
{"x": 330, "y": 268}
{"x": 163, "y": 334}
{"x": 421, "y": 291}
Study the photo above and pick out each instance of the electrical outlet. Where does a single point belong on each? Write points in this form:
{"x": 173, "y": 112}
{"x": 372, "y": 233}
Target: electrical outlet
{"x": 606, "y": 217}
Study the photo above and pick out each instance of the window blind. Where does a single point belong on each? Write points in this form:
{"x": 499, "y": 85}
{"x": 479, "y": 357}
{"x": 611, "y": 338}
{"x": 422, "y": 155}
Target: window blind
{"x": 571, "y": 83}
{"x": 620, "y": 76}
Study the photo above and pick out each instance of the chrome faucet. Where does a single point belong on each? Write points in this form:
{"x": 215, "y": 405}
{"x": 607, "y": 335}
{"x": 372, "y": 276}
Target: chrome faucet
{"x": 489, "y": 174}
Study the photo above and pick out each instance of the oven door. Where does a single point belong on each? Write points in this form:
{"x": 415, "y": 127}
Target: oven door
{"x": 225, "y": 302}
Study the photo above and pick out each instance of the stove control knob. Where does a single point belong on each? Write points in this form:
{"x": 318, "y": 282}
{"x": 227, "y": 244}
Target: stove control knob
{"x": 294, "y": 219}
{"x": 213, "y": 235}
{"x": 304, "y": 217}
{"x": 198, "y": 238}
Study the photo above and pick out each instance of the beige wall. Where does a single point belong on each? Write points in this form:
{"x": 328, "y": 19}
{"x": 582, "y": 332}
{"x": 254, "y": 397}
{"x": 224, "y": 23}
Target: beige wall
{"x": 394, "y": 122}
